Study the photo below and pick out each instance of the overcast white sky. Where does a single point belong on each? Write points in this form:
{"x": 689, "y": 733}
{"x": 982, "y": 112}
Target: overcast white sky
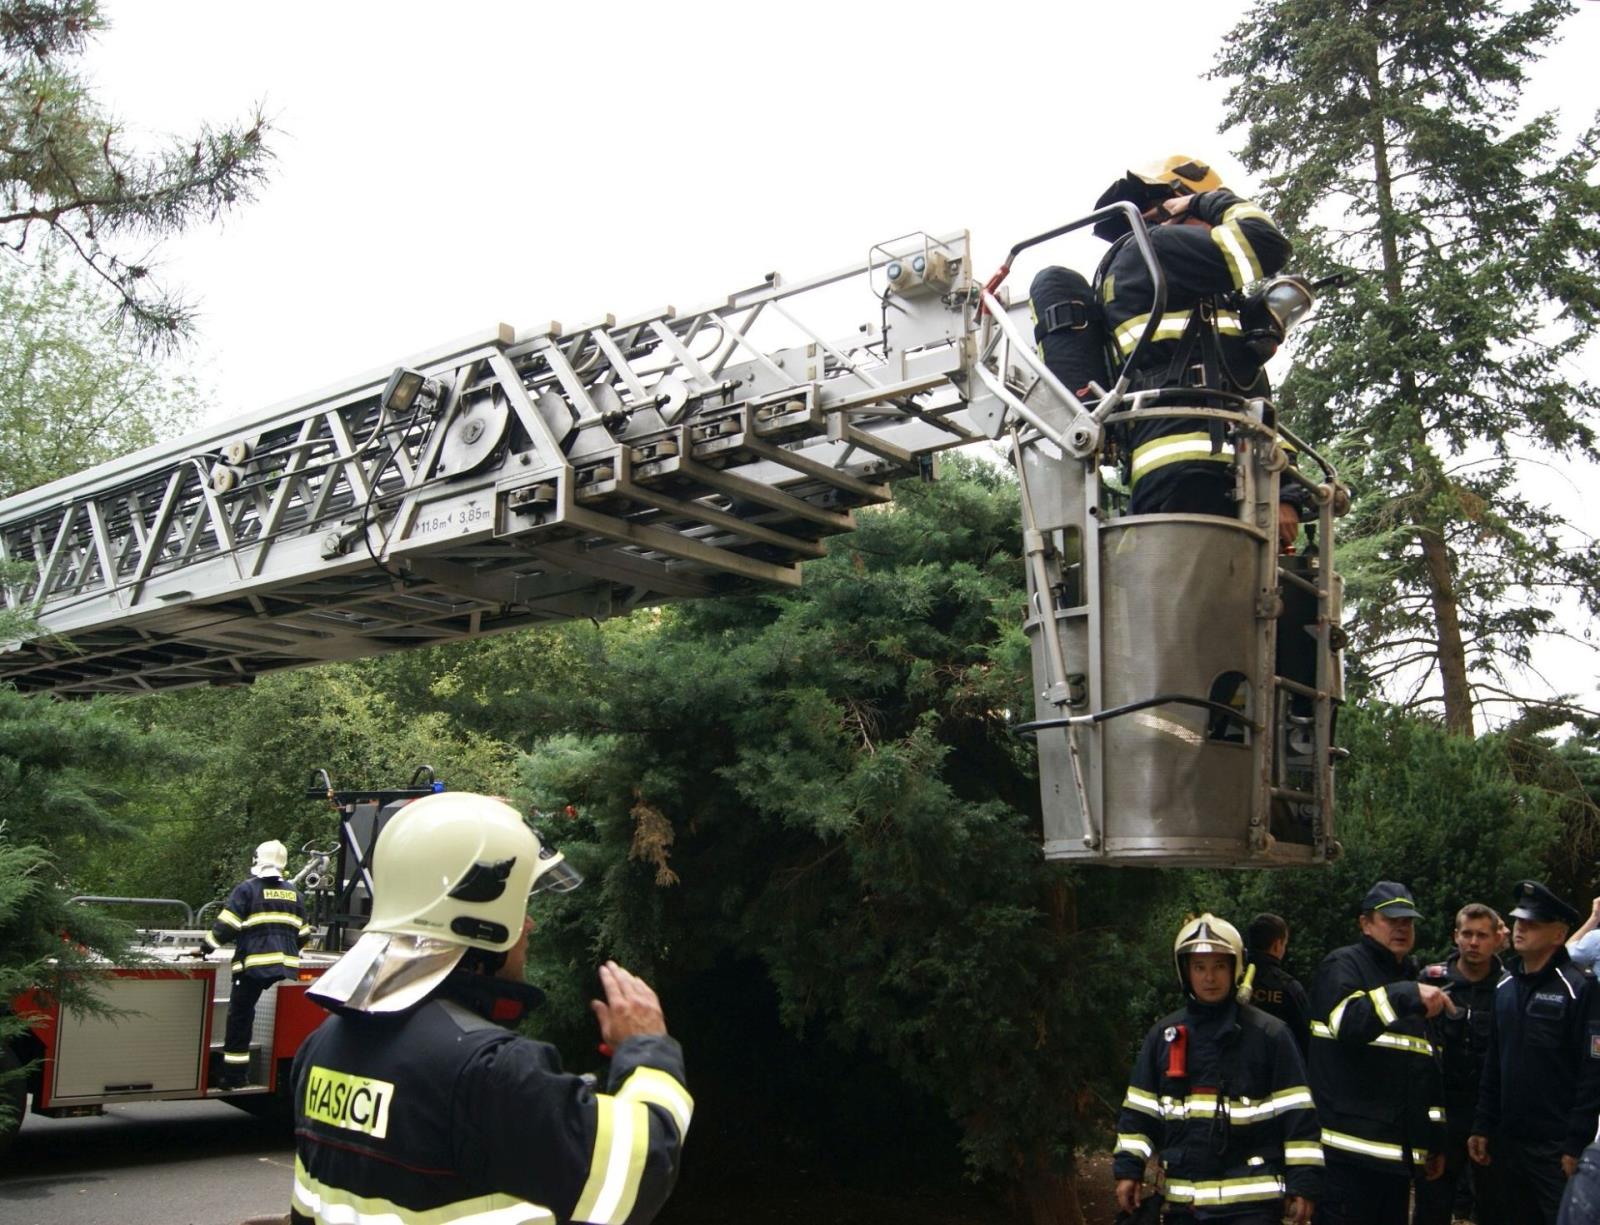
{"x": 445, "y": 167}
{"x": 522, "y": 162}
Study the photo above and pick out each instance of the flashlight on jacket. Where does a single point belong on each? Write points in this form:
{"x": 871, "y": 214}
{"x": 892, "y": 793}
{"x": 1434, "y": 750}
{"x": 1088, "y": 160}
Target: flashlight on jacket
{"x": 1177, "y": 1037}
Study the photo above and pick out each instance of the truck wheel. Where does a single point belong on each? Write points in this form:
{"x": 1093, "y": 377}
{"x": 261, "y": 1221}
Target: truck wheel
{"x": 13, "y": 1097}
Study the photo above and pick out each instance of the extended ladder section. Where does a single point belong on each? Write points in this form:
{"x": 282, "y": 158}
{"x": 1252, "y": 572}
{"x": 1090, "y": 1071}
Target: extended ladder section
{"x": 505, "y": 481}
{"x": 1187, "y": 674}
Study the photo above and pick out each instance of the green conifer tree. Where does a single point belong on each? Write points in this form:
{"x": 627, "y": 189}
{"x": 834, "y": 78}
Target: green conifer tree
{"x": 69, "y": 174}
{"x": 1390, "y": 142}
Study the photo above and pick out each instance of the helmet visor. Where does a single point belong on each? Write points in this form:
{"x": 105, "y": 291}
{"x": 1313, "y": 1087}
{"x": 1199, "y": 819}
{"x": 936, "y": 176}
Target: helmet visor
{"x": 556, "y": 875}
{"x": 1289, "y": 300}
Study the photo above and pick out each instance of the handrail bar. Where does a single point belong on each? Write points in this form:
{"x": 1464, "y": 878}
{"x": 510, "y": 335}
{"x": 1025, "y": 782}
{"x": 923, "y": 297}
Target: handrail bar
{"x": 101, "y": 899}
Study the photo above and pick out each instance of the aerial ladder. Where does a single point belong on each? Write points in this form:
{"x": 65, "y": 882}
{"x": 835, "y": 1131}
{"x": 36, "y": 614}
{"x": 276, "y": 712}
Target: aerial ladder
{"x": 516, "y": 478}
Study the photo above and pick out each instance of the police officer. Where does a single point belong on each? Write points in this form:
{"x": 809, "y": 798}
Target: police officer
{"x": 1219, "y": 1091}
{"x": 1209, "y": 243}
{"x": 1272, "y": 988}
{"x": 1377, "y": 1086}
{"x": 265, "y": 921}
{"x": 1469, "y": 977}
{"x": 1540, "y": 1097}
{"x": 412, "y": 1103}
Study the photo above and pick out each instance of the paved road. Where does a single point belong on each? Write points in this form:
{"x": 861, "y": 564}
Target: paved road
{"x": 154, "y": 1163}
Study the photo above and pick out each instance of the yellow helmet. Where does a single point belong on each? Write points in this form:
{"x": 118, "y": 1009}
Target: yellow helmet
{"x": 1180, "y": 173}
{"x": 1208, "y": 934}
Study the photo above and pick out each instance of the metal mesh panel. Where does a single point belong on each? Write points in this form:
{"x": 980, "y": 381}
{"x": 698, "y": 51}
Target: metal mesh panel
{"x": 1188, "y": 586}
{"x": 1172, "y": 791}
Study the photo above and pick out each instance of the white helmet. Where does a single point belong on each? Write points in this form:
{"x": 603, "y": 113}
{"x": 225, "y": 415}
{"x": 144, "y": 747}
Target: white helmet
{"x": 450, "y": 871}
{"x": 271, "y": 859}
{"x": 1208, "y": 934}
{"x": 459, "y": 867}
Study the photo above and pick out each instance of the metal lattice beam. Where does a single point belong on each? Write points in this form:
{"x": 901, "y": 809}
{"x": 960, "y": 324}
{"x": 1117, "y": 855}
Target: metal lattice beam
{"x": 553, "y": 474}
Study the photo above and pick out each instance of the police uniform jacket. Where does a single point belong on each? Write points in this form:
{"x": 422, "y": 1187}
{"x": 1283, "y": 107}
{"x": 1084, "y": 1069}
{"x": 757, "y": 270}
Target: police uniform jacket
{"x": 1277, "y": 992}
{"x": 437, "y": 1114}
{"x": 1236, "y": 245}
{"x": 1463, "y": 1040}
{"x": 1236, "y": 1129}
{"x": 265, "y": 921}
{"x": 1377, "y": 1085}
{"x": 1541, "y": 1080}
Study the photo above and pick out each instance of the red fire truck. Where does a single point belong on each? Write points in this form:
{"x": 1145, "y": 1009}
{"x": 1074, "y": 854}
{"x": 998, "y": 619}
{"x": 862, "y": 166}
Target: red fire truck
{"x": 165, "y": 1010}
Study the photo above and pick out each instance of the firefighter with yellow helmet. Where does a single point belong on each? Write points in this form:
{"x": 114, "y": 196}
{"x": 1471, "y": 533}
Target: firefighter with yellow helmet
{"x": 1210, "y": 245}
{"x": 1219, "y": 1097}
{"x": 413, "y": 1103}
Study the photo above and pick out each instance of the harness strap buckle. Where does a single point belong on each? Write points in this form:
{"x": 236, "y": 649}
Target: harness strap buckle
{"x": 1068, "y": 316}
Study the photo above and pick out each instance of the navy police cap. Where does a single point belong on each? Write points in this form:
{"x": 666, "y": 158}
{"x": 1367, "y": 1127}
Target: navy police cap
{"x": 1534, "y": 902}
{"x": 1391, "y": 898}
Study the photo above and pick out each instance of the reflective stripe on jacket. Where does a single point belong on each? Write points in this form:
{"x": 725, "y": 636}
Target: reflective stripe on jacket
{"x": 1237, "y": 244}
{"x": 437, "y": 1115}
{"x": 265, "y": 921}
{"x": 1238, "y": 1127}
{"x": 1377, "y": 1084}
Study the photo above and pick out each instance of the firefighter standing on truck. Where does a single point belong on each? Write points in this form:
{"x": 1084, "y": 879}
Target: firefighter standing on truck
{"x": 412, "y": 1103}
{"x": 265, "y": 921}
{"x": 1378, "y": 1088}
{"x": 1209, "y": 243}
{"x": 1219, "y": 1095}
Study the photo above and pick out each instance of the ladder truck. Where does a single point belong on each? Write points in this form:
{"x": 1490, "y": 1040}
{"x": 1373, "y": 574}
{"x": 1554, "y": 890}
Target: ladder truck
{"x": 515, "y": 478}
{"x": 158, "y": 1037}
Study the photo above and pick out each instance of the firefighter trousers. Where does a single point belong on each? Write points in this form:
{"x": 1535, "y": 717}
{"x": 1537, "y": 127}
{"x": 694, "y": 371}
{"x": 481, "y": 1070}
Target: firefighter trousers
{"x": 1068, "y": 329}
{"x": 247, "y": 990}
{"x": 1356, "y": 1194}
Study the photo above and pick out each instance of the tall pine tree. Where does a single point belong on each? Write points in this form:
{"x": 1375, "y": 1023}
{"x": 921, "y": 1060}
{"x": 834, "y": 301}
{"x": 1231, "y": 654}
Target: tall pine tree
{"x": 69, "y": 174}
{"x": 1390, "y": 142}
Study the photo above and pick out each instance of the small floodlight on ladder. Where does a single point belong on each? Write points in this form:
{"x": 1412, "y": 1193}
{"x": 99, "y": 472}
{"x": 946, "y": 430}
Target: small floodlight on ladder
{"x": 407, "y": 390}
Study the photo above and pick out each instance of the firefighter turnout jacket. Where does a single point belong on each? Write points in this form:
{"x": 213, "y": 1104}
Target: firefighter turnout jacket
{"x": 265, "y": 921}
{"x": 1373, "y": 1073}
{"x": 1541, "y": 1080}
{"x": 1277, "y": 992}
{"x": 437, "y": 1114}
{"x": 1463, "y": 1040}
{"x": 1219, "y": 1096}
{"x": 1223, "y": 244}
